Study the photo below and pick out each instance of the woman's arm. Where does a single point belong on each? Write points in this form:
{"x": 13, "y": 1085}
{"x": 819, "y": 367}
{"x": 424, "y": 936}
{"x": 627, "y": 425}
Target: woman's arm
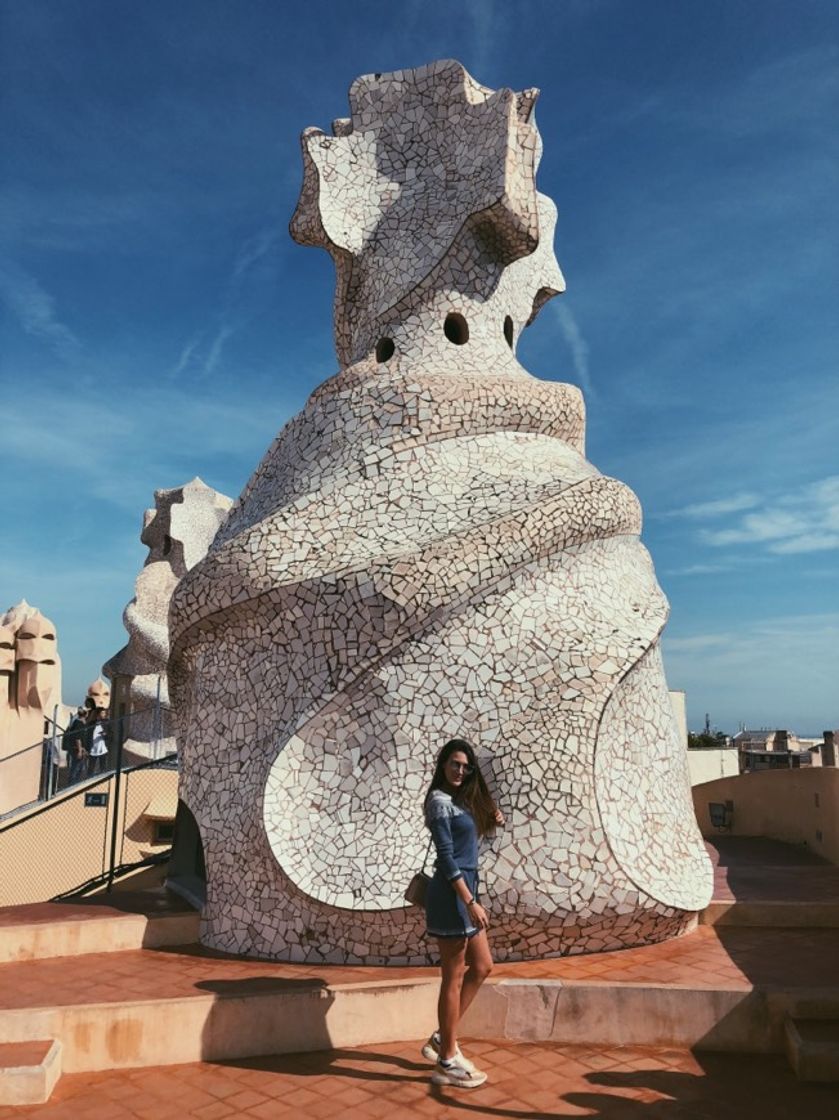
{"x": 439, "y": 822}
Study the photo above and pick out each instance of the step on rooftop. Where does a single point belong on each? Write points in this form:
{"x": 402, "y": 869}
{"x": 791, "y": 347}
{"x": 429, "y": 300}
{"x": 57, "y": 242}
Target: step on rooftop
{"x": 121, "y": 984}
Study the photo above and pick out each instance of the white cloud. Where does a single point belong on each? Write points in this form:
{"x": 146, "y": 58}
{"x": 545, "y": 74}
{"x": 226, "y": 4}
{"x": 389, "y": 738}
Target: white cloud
{"x": 802, "y": 520}
{"x": 698, "y": 570}
{"x": 146, "y": 440}
{"x": 766, "y": 525}
{"x": 187, "y": 355}
{"x": 796, "y": 91}
{"x": 807, "y": 542}
{"x": 718, "y": 506}
{"x": 577, "y": 344}
{"x": 34, "y": 308}
{"x": 243, "y": 291}
{"x": 697, "y": 643}
{"x": 214, "y": 356}
{"x": 253, "y": 250}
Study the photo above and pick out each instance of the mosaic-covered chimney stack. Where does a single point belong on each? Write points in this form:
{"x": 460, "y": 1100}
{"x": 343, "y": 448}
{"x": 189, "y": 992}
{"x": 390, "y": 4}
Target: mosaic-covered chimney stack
{"x": 424, "y": 552}
{"x": 30, "y": 691}
{"x": 177, "y": 532}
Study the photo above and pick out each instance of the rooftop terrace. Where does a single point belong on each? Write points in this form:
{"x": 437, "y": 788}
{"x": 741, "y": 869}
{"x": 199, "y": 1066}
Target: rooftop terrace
{"x": 696, "y": 1026}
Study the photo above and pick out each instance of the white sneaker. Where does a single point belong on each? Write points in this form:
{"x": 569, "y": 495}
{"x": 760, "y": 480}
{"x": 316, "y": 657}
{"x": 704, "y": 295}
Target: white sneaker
{"x": 431, "y": 1052}
{"x": 455, "y": 1073}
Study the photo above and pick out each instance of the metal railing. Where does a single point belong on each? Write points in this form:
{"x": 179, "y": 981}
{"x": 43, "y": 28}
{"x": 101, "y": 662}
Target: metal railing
{"x": 84, "y": 837}
{"x": 44, "y": 768}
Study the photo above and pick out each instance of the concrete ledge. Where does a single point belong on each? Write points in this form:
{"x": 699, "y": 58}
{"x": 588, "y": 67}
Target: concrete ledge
{"x": 281, "y": 1017}
{"x": 93, "y": 932}
{"x": 293, "y": 1018}
{"x": 774, "y": 915}
{"x": 29, "y": 1070}
{"x": 594, "y": 1013}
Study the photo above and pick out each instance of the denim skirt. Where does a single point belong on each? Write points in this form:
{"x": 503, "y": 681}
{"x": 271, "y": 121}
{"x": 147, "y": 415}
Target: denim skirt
{"x": 445, "y": 914}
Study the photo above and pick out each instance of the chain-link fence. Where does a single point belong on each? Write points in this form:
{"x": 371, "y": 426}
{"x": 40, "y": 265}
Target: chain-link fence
{"x": 88, "y": 822}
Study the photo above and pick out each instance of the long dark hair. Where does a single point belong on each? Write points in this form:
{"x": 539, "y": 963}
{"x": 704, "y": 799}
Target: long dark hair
{"x": 473, "y": 794}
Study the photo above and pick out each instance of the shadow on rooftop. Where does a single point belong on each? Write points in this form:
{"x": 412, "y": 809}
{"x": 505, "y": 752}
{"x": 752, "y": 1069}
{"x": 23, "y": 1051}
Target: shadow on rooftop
{"x": 715, "y": 1082}
{"x": 798, "y": 948}
{"x": 251, "y": 985}
{"x": 729, "y": 1087}
{"x": 757, "y": 869}
{"x": 726, "y": 1086}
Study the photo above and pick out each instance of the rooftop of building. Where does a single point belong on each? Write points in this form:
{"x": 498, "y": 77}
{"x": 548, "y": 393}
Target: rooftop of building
{"x": 657, "y": 1031}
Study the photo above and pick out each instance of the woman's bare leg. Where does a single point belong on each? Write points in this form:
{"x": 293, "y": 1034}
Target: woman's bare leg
{"x": 453, "y": 966}
{"x": 479, "y": 966}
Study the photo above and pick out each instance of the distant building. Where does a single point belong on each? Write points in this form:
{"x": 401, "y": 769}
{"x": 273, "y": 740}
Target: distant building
{"x": 768, "y": 749}
{"x": 824, "y": 753}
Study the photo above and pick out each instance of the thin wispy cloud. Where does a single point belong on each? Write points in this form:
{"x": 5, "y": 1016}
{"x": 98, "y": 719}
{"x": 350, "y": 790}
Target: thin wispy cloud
{"x": 717, "y": 507}
{"x": 34, "y": 308}
{"x": 225, "y": 331}
{"x": 484, "y": 18}
{"x": 806, "y": 542}
{"x": 576, "y": 343}
{"x": 253, "y": 250}
{"x": 798, "y": 521}
{"x": 698, "y": 570}
{"x": 147, "y": 441}
{"x": 244, "y": 290}
{"x": 795, "y": 91}
{"x": 186, "y": 355}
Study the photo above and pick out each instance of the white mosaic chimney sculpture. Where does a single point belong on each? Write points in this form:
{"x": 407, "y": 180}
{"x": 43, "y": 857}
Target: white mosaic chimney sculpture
{"x": 424, "y": 552}
{"x": 30, "y": 689}
{"x": 177, "y": 532}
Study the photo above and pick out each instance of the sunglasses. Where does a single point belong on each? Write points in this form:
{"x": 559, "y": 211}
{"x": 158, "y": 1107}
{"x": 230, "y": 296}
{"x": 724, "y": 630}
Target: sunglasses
{"x": 464, "y": 767}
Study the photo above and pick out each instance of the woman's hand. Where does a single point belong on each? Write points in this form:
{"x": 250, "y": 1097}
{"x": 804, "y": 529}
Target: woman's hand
{"x": 478, "y": 915}
{"x": 499, "y": 817}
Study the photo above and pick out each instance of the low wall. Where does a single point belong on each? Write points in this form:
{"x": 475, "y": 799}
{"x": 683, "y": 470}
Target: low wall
{"x": 706, "y": 765}
{"x": 797, "y": 806}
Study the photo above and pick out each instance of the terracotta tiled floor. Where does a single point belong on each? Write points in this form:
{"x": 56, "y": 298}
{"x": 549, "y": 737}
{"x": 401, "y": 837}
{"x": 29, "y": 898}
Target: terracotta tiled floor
{"x": 754, "y": 869}
{"x": 525, "y": 1083}
{"x": 710, "y": 957}
{"x": 150, "y": 902}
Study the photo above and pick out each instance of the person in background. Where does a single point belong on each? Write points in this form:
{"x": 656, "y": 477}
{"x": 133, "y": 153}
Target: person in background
{"x": 99, "y": 741}
{"x": 74, "y": 743}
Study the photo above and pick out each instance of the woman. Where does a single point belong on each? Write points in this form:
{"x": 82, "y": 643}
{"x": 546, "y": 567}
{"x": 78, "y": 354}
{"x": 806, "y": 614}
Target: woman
{"x": 458, "y": 811}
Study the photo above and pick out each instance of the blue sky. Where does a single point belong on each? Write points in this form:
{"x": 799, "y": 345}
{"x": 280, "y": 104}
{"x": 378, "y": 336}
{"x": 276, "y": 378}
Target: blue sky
{"x": 158, "y": 322}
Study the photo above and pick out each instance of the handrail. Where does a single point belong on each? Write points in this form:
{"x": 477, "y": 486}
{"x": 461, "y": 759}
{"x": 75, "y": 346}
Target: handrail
{"x": 113, "y": 719}
{"x": 84, "y": 787}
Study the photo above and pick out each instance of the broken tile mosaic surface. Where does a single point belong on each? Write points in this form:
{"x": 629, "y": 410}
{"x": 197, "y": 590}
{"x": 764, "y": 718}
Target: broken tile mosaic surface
{"x": 424, "y": 552}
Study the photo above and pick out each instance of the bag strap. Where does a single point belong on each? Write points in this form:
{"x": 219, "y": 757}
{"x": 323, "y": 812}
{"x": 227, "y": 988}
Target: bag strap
{"x": 427, "y": 852}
